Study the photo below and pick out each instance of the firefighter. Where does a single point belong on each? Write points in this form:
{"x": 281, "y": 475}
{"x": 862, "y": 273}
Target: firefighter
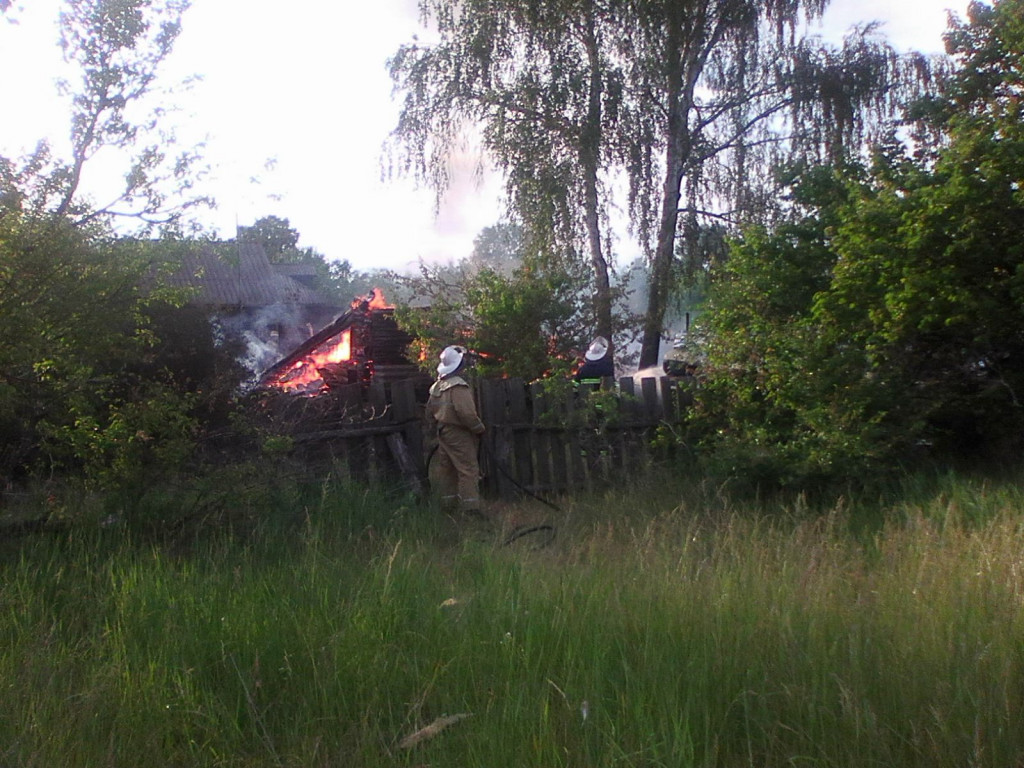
{"x": 454, "y": 467}
{"x": 597, "y": 363}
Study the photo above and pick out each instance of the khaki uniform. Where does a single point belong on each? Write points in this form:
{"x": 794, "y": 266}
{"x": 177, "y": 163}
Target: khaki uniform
{"x": 454, "y": 467}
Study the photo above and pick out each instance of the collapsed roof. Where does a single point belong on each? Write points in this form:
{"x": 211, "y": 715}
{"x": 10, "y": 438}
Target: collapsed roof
{"x": 362, "y": 343}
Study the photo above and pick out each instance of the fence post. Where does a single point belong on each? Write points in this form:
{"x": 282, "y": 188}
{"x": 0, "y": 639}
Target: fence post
{"x": 407, "y": 446}
{"x": 541, "y": 433}
{"x": 520, "y": 423}
{"x": 652, "y": 408}
{"x": 496, "y": 443}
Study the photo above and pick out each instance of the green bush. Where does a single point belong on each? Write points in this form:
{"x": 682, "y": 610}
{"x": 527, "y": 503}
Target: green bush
{"x": 881, "y": 324}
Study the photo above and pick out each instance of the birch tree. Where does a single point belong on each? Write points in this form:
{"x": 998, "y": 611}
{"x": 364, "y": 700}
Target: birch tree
{"x": 882, "y": 322}
{"x": 708, "y": 82}
{"x": 538, "y": 79}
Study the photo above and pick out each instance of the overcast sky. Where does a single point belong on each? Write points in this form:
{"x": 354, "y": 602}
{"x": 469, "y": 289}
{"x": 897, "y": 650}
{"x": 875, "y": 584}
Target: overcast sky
{"x": 294, "y": 104}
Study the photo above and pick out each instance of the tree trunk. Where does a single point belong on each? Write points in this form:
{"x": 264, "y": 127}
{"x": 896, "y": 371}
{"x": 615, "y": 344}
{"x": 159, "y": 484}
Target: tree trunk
{"x": 661, "y": 265}
{"x": 80, "y": 151}
{"x": 602, "y": 283}
{"x": 688, "y": 55}
{"x": 590, "y": 160}
{"x": 664, "y": 252}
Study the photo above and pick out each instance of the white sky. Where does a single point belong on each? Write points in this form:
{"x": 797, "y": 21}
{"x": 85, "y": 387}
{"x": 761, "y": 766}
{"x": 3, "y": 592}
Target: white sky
{"x": 295, "y": 103}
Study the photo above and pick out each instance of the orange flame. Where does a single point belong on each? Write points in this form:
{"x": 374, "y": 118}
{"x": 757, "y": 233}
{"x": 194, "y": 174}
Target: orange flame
{"x": 306, "y": 373}
{"x": 374, "y": 300}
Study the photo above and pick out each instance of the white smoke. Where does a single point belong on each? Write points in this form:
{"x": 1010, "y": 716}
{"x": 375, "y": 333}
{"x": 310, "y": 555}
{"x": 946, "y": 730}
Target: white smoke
{"x": 268, "y": 335}
{"x": 259, "y": 354}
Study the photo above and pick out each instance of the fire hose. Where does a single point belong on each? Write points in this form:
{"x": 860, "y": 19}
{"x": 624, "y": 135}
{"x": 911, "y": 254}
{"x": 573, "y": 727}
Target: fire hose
{"x": 511, "y": 479}
{"x": 523, "y": 530}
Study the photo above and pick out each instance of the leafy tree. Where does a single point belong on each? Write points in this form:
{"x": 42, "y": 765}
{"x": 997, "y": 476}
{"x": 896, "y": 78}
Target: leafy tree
{"x": 335, "y": 279}
{"x": 102, "y": 371}
{"x": 72, "y": 317}
{"x": 885, "y": 323}
{"x": 117, "y": 48}
{"x": 499, "y": 248}
{"x": 279, "y": 239}
{"x": 759, "y": 379}
{"x": 684, "y": 99}
{"x": 84, "y": 382}
{"x": 724, "y": 91}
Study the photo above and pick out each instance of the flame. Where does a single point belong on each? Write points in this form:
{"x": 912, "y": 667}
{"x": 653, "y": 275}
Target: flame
{"x": 373, "y": 300}
{"x": 340, "y": 350}
{"x": 306, "y": 374}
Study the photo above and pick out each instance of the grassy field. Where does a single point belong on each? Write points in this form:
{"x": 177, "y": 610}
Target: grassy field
{"x": 665, "y": 625}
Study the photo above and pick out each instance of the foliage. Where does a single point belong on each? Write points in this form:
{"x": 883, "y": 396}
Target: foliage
{"x": 845, "y": 99}
{"x": 70, "y": 314}
{"x": 129, "y": 444}
{"x": 117, "y": 48}
{"x": 104, "y": 373}
{"x": 102, "y": 370}
{"x": 526, "y": 312}
{"x": 688, "y": 102}
{"x": 742, "y": 93}
{"x": 279, "y": 239}
{"x": 884, "y": 324}
{"x": 519, "y": 325}
{"x": 499, "y": 248}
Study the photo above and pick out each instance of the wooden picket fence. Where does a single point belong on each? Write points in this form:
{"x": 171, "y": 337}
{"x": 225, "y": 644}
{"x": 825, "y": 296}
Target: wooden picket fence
{"x": 542, "y": 438}
{"x": 544, "y": 441}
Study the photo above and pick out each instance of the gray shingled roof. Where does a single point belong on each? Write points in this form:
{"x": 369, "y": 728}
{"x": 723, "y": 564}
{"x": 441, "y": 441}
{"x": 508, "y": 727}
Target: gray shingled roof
{"x": 240, "y": 275}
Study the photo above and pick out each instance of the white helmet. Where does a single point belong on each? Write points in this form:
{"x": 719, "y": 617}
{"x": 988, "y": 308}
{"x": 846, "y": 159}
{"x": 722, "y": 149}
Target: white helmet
{"x": 598, "y": 348}
{"x": 451, "y": 359}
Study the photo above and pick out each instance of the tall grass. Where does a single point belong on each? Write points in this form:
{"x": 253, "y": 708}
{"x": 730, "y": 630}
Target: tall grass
{"x": 686, "y": 630}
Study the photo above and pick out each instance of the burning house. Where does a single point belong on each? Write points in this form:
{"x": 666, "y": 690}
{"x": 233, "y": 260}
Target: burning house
{"x": 362, "y": 344}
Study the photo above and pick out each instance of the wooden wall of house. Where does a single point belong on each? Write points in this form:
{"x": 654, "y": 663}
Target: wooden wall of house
{"x": 543, "y": 438}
